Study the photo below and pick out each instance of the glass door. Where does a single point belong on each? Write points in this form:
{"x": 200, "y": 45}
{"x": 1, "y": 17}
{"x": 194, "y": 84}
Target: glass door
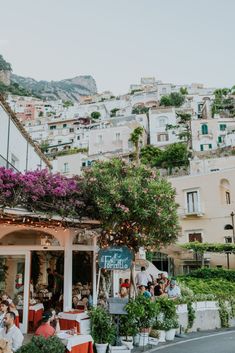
{"x": 14, "y": 282}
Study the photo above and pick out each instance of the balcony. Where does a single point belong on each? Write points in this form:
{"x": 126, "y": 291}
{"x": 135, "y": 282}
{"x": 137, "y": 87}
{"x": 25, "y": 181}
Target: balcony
{"x": 208, "y": 135}
{"x": 192, "y": 213}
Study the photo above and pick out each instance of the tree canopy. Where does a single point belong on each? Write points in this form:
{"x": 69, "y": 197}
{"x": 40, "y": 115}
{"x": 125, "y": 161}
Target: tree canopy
{"x": 95, "y": 115}
{"x": 135, "y": 205}
{"x": 174, "y": 99}
{"x": 4, "y": 65}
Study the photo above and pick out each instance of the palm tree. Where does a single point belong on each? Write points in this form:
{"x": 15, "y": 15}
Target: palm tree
{"x": 135, "y": 139}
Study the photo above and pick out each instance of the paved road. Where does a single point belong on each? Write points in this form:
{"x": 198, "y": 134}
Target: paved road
{"x": 221, "y": 342}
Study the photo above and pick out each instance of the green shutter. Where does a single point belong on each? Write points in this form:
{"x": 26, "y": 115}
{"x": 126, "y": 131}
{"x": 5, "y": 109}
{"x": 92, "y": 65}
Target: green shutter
{"x": 210, "y": 146}
{"x": 201, "y": 147}
{"x": 220, "y": 139}
{"x": 204, "y": 128}
{"x": 222, "y": 127}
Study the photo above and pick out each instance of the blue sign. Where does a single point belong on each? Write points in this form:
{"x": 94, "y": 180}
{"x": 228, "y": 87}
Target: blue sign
{"x": 115, "y": 258}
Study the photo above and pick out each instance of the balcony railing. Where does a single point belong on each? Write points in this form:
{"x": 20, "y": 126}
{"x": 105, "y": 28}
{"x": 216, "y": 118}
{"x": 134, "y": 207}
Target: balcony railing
{"x": 4, "y": 163}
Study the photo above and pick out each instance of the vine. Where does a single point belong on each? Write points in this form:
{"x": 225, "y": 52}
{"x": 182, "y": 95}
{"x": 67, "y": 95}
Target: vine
{"x": 191, "y": 314}
{"x": 224, "y": 313}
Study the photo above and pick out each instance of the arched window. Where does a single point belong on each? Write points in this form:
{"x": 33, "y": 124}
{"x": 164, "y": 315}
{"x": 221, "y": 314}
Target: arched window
{"x": 204, "y": 128}
{"x": 162, "y": 121}
{"x": 225, "y": 191}
{"x": 228, "y": 226}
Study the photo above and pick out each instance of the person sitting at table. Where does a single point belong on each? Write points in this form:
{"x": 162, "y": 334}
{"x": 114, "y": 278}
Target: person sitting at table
{"x": 5, "y": 297}
{"x": 75, "y": 302}
{"x": 4, "y": 307}
{"x": 11, "y": 333}
{"x": 45, "y": 329}
{"x": 54, "y": 321}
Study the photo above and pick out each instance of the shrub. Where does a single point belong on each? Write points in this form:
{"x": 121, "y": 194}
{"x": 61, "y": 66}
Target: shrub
{"x": 43, "y": 345}
{"x": 102, "y": 327}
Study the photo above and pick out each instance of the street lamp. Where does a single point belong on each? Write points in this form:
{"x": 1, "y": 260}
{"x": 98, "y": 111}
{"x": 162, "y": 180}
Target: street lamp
{"x": 232, "y": 216}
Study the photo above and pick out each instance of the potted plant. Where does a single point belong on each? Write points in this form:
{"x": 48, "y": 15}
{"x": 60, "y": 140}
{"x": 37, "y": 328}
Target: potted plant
{"x": 143, "y": 311}
{"x": 102, "y": 328}
{"x": 160, "y": 327}
{"x": 128, "y": 329}
{"x": 170, "y": 326}
{"x": 154, "y": 336}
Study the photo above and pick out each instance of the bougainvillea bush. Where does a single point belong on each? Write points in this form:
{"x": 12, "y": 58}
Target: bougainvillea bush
{"x": 41, "y": 190}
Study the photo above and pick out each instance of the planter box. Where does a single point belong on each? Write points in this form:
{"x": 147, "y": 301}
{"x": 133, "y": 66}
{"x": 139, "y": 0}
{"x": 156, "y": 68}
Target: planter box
{"x": 119, "y": 349}
{"x": 153, "y": 341}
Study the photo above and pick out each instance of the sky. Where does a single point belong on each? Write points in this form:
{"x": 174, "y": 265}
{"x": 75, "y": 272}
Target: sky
{"x": 120, "y": 41}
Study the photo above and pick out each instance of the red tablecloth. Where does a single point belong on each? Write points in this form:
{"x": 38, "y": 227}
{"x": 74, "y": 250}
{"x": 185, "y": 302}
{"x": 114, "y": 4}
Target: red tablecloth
{"x": 35, "y": 316}
{"x": 82, "y": 348}
{"x": 70, "y": 323}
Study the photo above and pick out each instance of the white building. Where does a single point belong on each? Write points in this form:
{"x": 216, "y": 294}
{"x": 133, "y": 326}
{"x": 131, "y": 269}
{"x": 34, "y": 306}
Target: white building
{"x": 17, "y": 149}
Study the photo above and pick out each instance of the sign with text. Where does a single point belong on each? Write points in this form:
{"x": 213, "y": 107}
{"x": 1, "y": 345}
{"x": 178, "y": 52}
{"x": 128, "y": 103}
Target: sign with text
{"x": 115, "y": 258}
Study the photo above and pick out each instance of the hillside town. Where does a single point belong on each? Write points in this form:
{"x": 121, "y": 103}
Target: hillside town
{"x": 116, "y": 213}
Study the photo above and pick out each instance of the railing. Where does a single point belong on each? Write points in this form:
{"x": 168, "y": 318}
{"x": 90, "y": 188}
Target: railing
{"x": 4, "y": 163}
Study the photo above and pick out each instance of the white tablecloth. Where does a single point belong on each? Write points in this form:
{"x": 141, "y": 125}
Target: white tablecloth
{"x": 36, "y": 307}
{"x": 72, "y": 341}
{"x": 76, "y": 316}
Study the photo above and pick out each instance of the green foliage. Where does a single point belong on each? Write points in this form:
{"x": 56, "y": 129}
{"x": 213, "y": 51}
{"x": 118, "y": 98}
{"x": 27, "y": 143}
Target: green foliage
{"x": 135, "y": 205}
{"x": 142, "y": 311}
{"x": 128, "y": 325}
{"x": 136, "y": 90}
{"x": 183, "y": 90}
{"x": 167, "y": 307}
{"x": 209, "y": 247}
{"x": 140, "y": 110}
{"x": 113, "y": 112}
{"x": 174, "y": 99}
{"x": 174, "y": 155}
{"x": 211, "y": 273}
{"x": 14, "y": 88}
{"x": 4, "y": 65}
{"x": 191, "y": 314}
{"x": 102, "y": 327}
{"x": 95, "y": 115}
{"x": 224, "y": 101}
{"x": 67, "y": 104}
{"x": 70, "y": 151}
{"x": 39, "y": 344}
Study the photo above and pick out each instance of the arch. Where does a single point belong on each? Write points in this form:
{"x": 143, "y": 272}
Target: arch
{"x": 29, "y": 237}
{"x": 225, "y": 183}
{"x": 228, "y": 227}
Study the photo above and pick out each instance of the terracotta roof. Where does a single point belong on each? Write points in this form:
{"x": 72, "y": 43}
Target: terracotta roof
{"x": 23, "y": 131}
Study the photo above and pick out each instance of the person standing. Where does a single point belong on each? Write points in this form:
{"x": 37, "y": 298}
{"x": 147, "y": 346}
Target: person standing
{"x": 143, "y": 278}
{"x": 50, "y": 281}
{"x": 11, "y": 333}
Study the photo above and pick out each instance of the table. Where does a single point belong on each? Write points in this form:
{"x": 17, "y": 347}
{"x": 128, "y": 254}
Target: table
{"x": 35, "y": 314}
{"x": 70, "y": 319}
{"x": 77, "y": 343}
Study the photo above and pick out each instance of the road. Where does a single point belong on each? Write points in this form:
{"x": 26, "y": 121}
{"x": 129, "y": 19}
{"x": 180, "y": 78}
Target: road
{"x": 220, "y": 342}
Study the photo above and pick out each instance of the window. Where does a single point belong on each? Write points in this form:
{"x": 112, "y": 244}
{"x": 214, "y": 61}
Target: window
{"x": 52, "y": 127}
{"x": 228, "y": 240}
{"x": 219, "y": 139}
{"x": 195, "y": 237}
{"x": 227, "y": 197}
{"x": 192, "y": 202}
{"x": 162, "y": 122}
{"x": 66, "y": 168}
{"x": 71, "y": 129}
{"x": 59, "y": 141}
{"x": 14, "y": 160}
{"x": 204, "y": 128}
{"x": 162, "y": 137}
{"x": 78, "y": 137}
{"x": 222, "y": 127}
{"x": 64, "y": 125}
{"x": 118, "y": 136}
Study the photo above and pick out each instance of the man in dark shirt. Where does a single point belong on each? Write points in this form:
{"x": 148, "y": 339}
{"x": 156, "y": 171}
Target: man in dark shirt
{"x": 50, "y": 280}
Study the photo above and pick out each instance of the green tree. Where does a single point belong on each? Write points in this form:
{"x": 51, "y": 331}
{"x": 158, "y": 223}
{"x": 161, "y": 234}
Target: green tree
{"x": 224, "y": 101}
{"x": 135, "y": 139}
{"x": 150, "y": 155}
{"x": 183, "y": 128}
{"x": 95, "y": 115}
{"x": 183, "y": 90}
{"x": 174, "y": 99}
{"x": 135, "y": 205}
{"x": 174, "y": 155}
{"x": 67, "y": 104}
{"x": 4, "y": 65}
{"x": 140, "y": 110}
{"x": 113, "y": 112}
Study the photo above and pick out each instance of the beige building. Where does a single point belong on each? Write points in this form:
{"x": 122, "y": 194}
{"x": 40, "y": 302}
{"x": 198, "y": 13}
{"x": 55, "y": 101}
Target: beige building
{"x": 206, "y": 204}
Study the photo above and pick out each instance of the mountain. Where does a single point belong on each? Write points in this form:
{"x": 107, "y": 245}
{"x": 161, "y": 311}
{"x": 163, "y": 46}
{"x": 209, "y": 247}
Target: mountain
{"x": 68, "y": 89}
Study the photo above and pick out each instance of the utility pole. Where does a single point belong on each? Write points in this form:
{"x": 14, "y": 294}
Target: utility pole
{"x": 232, "y": 216}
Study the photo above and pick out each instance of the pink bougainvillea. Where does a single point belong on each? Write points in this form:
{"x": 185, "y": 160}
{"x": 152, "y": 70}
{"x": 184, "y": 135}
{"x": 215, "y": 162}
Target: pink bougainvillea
{"x": 41, "y": 190}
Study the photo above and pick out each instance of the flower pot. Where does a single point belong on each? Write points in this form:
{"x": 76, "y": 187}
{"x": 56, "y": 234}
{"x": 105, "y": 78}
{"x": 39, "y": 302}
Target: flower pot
{"x": 162, "y": 336}
{"x": 128, "y": 343}
{"x": 153, "y": 341}
{"x": 101, "y": 347}
{"x": 170, "y": 334}
{"x": 144, "y": 338}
